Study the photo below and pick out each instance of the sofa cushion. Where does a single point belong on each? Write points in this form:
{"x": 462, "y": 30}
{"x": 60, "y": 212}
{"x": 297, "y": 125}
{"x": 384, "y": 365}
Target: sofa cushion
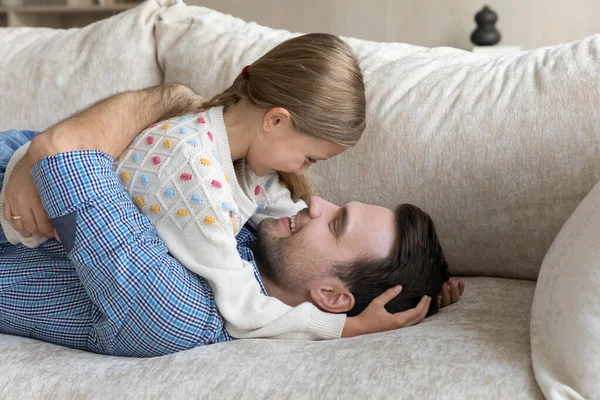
{"x": 498, "y": 150}
{"x": 48, "y": 74}
{"x": 475, "y": 349}
{"x": 565, "y": 317}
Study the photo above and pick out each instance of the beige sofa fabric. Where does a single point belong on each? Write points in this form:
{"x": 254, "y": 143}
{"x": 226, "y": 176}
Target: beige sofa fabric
{"x": 498, "y": 150}
{"x": 565, "y": 318}
{"x": 48, "y": 74}
{"x": 476, "y": 349}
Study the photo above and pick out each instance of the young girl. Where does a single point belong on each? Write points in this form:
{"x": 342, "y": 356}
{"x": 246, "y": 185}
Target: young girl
{"x": 200, "y": 177}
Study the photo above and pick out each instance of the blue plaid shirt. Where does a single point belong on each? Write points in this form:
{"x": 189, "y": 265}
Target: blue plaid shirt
{"x": 111, "y": 287}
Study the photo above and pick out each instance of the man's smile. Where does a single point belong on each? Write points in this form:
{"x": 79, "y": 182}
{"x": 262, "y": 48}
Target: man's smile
{"x": 289, "y": 224}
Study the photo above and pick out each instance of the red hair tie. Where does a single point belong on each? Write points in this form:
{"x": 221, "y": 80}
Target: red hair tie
{"x": 245, "y": 72}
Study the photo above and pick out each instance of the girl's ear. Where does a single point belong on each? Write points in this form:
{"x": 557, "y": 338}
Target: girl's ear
{"x": 276, "y": 118}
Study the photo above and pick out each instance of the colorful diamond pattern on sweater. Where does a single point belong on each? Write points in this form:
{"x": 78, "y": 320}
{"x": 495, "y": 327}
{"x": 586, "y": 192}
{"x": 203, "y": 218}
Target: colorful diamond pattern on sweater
{"x": 197, "y": 198}
{"x": 139, "y": 201}
{"x": 174, "y": 175}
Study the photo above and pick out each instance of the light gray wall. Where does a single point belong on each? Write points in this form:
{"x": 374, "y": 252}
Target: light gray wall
{"x": 529, "y": 23}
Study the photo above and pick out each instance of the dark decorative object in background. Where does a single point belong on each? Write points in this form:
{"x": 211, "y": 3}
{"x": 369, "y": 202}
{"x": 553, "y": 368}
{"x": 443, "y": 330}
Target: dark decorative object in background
{"x": 486, "y": 33}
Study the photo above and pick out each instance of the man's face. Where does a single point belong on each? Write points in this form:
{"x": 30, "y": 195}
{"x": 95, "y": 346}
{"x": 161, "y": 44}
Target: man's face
{"x": 293, "y": 252}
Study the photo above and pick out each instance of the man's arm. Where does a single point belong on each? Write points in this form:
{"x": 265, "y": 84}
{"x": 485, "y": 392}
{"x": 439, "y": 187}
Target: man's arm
{"x": 109, "y": 125}
{"x": 144, "y": 302}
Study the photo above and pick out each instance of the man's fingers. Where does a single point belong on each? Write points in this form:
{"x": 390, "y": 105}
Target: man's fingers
{"x": 387, "y": 296}
{"x": 16, "y": 223}
{"x": 44, "y": 226}
{"x": 461, "y": 287}
{"x": 28, "y": 221}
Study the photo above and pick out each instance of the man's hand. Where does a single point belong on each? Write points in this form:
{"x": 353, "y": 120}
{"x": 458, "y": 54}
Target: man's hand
{"x": 22, "y": 198}
{"x": 188, "y": 101}
{"x": 375, "y": 318}
{"x": 451, "y": 292}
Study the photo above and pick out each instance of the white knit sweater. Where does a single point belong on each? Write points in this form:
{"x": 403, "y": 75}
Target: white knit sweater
{"x": 180, "y": 175}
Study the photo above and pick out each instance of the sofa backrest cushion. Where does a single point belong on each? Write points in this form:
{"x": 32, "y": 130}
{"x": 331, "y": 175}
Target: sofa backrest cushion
{"x": 498, "y": 150}
{"x": 48, "y": 74}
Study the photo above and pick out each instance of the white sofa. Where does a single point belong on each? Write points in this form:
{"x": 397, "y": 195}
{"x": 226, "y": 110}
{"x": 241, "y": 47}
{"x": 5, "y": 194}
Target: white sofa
{"x": 499, "y": 151}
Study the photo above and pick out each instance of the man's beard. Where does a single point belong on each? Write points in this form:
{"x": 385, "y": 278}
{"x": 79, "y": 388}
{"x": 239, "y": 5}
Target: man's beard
{"x": 269, "y": 256}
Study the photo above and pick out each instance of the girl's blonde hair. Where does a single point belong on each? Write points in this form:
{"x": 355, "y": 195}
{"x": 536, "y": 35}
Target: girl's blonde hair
{"x": 316, "y": 77}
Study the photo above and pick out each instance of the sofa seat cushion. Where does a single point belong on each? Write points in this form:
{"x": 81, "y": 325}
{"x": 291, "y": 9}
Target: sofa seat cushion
{"x": 477, "y": 348}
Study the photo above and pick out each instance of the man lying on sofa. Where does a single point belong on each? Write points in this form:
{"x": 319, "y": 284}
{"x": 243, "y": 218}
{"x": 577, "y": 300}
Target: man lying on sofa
{"x": 112, "y": 288}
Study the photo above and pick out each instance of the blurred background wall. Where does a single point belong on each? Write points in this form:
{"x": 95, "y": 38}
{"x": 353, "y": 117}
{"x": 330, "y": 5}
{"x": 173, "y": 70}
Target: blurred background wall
{"x": 527, "y": 23}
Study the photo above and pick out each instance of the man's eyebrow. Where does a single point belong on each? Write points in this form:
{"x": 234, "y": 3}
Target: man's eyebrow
{"x": 343, "y": 224}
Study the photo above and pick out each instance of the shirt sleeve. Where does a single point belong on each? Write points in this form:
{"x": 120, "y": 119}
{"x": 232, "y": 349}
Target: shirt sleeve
{"x": 145, "y": 302}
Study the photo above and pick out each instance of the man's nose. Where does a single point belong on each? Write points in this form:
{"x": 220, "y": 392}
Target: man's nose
{"x": 317, "y": 207}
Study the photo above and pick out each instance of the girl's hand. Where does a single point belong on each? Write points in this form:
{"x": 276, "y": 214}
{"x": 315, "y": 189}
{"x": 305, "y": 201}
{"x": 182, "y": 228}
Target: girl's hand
{"x": 451, "y": 292}
{"x": 21, "y": 198}
{"x": 375, "y": 318}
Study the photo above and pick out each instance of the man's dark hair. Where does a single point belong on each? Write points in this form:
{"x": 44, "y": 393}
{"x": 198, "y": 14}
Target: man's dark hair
{"x": 417, "y": 263}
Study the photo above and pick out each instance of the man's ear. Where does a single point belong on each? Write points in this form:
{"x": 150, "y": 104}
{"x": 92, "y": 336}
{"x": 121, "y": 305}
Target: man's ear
{"x": 331, "y": 295}
{"x": 275, "y": 118}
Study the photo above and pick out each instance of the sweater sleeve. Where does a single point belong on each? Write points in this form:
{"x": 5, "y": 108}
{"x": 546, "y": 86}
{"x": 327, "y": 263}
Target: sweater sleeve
{"x": 247, "y": 312}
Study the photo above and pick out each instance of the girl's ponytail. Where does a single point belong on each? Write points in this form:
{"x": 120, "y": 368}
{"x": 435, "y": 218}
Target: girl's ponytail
{"x": 315, "y": 77}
